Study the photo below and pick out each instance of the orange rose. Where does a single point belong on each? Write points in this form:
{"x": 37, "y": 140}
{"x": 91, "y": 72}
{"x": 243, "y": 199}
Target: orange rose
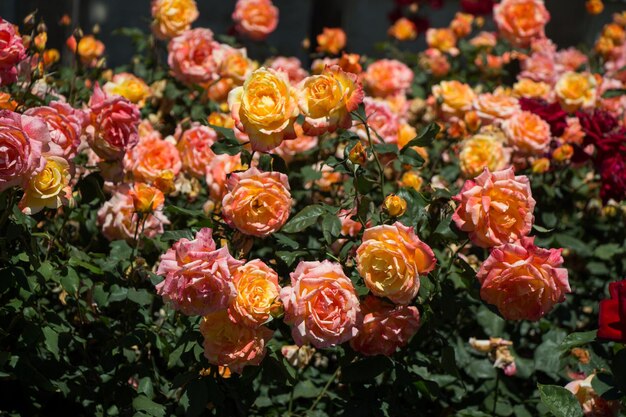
{"x": 403, "y": 30}
{"x": 255, "y": 19}
{"x": 454, "y": 98}
{"x": 443, "y": 40}
{"x": 411, "y": 179}
{"x": 388, "y": 77}
{"x": 194, "y": 147}
{"x": 521, "y": 21}
{"x": 527, "y": 88}
{"x": 576, "y": 90}
{"x": 146, "y": 199}
{"x": 495, "y": 208}
{"x": 257, "y": 203}
{"x": 89, "y": 49}
{"x": 257, "y": 288}
{"x": 522, "y": 280}
{"x": 331, "y": 41}
{"x": 151, "y": 158}
{"x": 7, "y": 102}
{"x": 481, "y": 151}
{"x": 391, "y": 260}
{"x": 172, "y": 17}
{"x": 528, "y": 133}
{"x": 233, "y": 344}
{"x": 461, "y": 25}
{"x": 127, "y": 85}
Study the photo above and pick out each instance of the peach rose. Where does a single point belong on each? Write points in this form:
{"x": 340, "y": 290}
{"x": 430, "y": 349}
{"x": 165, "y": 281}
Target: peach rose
{"x": 257, "y": 203}
{"x": 23, "y": 139}
{"x": 527, "y": 88}
{"x": 573, "y": 132}
{"x": 257, "y": 288}
{"x": 540, "y": 66}
{"x": 388, "y": 77}
{"x": 65, "y": 125}
{"x": 383, "y": 123}
{"x": 483, "y": 150}
{"x": 495, "y": 107}
{"x": 172, "y": 17}
{"x": 233, "y": 344}
{"x": 118, "y": 220}
{"x": 528, "y": 133}
{"x": 88, "y": 49}
{"x": 265, "y": 108}
{"x": 576, "y": 90}
{"x": 217, "y": 172}
{"x": 454, "y": 98}
{"x": 194, "y": 147}
{"x": 349, "y": 227}
{"x": 146, "y": 199}
{"x": 292, "y": 66}
{"x": 113, "y": 126}
{"x": 485, "y": 40}
{"x": 50, "y": 188}
{"x": 385, "y": 328}
{"x": 191, "y": 56}
{"x": 495, "y": 208}
{"x": 391, "y": 260}
{"x": 435, "y": 62}
{"x": 331, "y": 41}
{"x": 461, "y": 25}
{"x": 522, "y": 280}
{"x": 403, "y": 30}
{"x": 234, "y": 64}
{"x": 443, "y": 39}
{"x": 255, "y": 19}
{"x": 12, "y": 52}
{"x": 129, "y": 86}
{"x": 151, "y": 158}
{"x": 198, "y": 277}
{"x": 290, "y": 149}
{"x": 326, "y": 100}
{"x": 521, "y": 21}
{"x": 321, "y": 305}
{"x": 570, "y": 59}
{"x": 592, "y": 404}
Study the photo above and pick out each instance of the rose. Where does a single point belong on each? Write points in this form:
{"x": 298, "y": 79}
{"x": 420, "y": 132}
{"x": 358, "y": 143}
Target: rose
{"x": 257, "y": 288}
{"x": 495, "y": 107}
{"x": 49, "y": 188}
{"x": 540, "y": 67}
{"x": 88, "y": 49}
{"x": 12, "y": 52}
{"x": 233, "y": 344}
{"x": 255, "y": 19}
{"x": 117, "y": 218}
{"x": 522, "y": 280}
{"x": 592, "y": 404}
{"x": 461, "y": 25}
{"x": 146, "y": 199}
{"x": 391, "y": 259}
{"x": 290, "y": 65}
{"x": 128, "y": 86}
{"x": 570, "y": 59}
{"x": 113, "y": 126}
{"x": 151, "y": 158}
{"x": 23, "y": 139}
{"x": 388, "y": 77}
{"x": 198, "y": 277}
{"x": 194, "y": 147}
{"x": 265, "y": 108}
{"x": 527, "y": 88}
{"x": 290, "y": 149}
{"x": 435, "y": 62}
{"x": 331, "y": 41}
{"x": 443, "y": 39}
{"x": 551, "y": 113}
{"x": 326, "y": 100}
{"x": 612, "y": 315}
{"x": 385, "y": 327}
{"x": 495, "y": 208}
{"x": 381, "y": 120}
{"x": 233, "y": 64}
{"x": 484, "y": 150}
{"x": 403, "y": 30}
{"x": 217, "y": 172}
{"x": 576, "y": 90}
{"x": 521, "y": 21}
{"x": 257, "y": 203}
{"x": 321, "y": 305}
{"x": 613, "y": 175}
{"x": 528, "y": 133}
{"x": 191, "y": 56}
{"x": 453, "y": 97}
{"x": 65, "y": 125}
{"x": 172, "y": 17}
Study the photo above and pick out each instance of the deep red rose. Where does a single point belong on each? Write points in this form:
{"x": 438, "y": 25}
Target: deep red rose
{"x": 613, "y": 176}
{"x": 613, "y": 314}
{"x": 596, "y": 125}
{"x": 477, "y": 7}
{"x": 612, "y": 143}
{"x": 550, "y": 112}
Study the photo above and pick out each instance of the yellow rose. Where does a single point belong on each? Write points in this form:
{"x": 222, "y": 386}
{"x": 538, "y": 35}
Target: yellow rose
{"x": 50, "y": 188}
{"x": 411, "y": 179}
{"x": 442, "y": 39}
{"x": 129, "y": 86}
{"x": 480, "y": 151}
{"x": 394, "y": 205}
{"x": 528, "y": 88}
{"x": 265, "y": 108}
{"x": 90, "y": 49}
{"x": 172, "y": 17}
{"x": 403, "y": 30}
{"x": 575, "y": 90}
{"x": 453, "y": 97}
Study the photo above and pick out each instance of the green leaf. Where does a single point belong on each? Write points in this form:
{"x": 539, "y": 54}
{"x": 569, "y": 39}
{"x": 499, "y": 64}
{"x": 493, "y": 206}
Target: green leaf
{"x": 425, "y": 138}
{"x": 560, "y": 401}
{"x": 614, "y": 92}
{"x": 577, "y": 339}
{"x": 289, "y": 257}
{"x": 70, "y": 281}
{"x": 608, "y": 251}
{"x": 145, "y": 404}
{"x": 51, "y": 338}
{"x": 305, "y": 218}
{"x": 366, "y": 369}
{"x": 331, "y": 227}
{"x": 176, "y": 235}
{"x": 283, "y": 240}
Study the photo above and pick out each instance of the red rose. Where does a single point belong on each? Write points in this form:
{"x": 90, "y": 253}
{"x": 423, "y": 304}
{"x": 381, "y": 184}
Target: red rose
{"x": 477, "y": 7}
{"x": 613, "y": 174}
{"x": 613, "y": 314}
{"x": 596, "y": 125}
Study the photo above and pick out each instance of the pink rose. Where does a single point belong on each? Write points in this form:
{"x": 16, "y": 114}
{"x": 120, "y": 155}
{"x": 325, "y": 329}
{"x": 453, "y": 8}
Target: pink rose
{"x": 114, "y": 124}
{"x": 118, "y": 221}
{"x": 522, "y": 280}
{"x": 12, "y": 52}
{"x": 194, "y": 146}
{"x": 65, "y": 125}
{"x": 290, "y": 149}
{"x": 217, "y": 172}
{"x": 388, "y": 77}
{"x": 381, "y": 120}
{"x": 290, "y": 65}
{"x": 495, "y": 208}
{"x": 539, "y": 66}
{"x": 233, "y": 344}
{"x": 255, "y": 19}
{"x": 385, "y": 328}
{"x": 570, "y": 59}
{"x": 198, "y": 277}
{"x": 521, "y": 21}
{"x": 191, "y": 56}
{"x": 23, "y": 140}
{"x": 152, "y": 158}
{"x": 257, "y": 203}
{"x": 528, "y": 133}
{"x": 321, "y": 305}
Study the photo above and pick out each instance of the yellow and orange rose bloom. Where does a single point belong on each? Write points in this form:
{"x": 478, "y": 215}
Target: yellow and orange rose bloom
{"x": 576, "y": 90}
{"x": 129, "y": 86}
{"x": 483, "y": 150}
{"x": 172, "y": 17}
{"x": 331, "y": 41}
{"x": 454, "y": 98}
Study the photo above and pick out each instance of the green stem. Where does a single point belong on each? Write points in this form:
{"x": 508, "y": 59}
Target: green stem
{"x": 291, "y": 395}
{"x": 321, "y": 395}
{"x": 496, "y": 392}
{"x": 381, "y": 171}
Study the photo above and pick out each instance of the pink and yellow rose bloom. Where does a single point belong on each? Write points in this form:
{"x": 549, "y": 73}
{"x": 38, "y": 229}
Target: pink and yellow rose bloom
{"x": 50, "y": 188}
{"x": 255, "y": 19}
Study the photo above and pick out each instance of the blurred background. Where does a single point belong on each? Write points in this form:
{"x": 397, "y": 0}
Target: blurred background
{"x": 365, "y": 21}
